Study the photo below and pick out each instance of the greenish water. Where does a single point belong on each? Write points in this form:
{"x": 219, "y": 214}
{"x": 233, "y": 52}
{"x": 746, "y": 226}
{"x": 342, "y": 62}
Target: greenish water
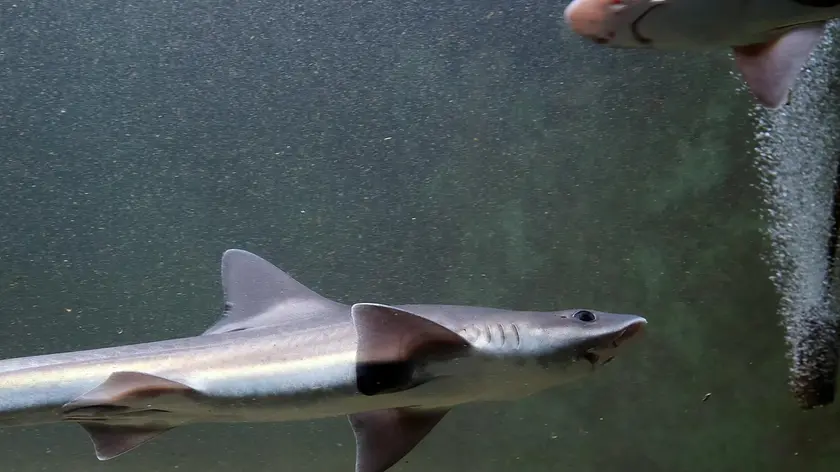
{"x": 419, "y": 152}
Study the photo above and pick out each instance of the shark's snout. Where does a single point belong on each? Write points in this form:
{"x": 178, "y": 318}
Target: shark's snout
{"x": 589, "y": 18}
{"x": 631, "y": 331}
{"x": 610, "y": 22}
{"x": 604, "y": 351}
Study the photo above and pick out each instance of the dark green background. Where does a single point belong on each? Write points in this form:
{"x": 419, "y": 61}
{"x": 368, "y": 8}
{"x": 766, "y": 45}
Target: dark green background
{"x": 470, "y": 152}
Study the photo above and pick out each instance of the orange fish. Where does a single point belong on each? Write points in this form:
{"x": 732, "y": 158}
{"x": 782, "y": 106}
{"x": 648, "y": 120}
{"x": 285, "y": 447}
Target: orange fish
{"x": 771, "y": 39}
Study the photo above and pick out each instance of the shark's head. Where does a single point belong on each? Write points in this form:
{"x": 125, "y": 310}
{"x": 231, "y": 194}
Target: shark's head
{"x": 615, "y": 23}
{"x": 520, "y": 353}
{"x": 593, "y": 336}
{"x": 556, "y": 338}
{"x": 462, "y": 352}
{"x": 662, "y": 24}
{"x": 583, "y": 334}
{"x": 685, "y": 24}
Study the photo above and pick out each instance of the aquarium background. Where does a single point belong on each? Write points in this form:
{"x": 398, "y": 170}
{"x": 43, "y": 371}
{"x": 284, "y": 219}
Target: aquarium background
{"x": 468, "y": 152}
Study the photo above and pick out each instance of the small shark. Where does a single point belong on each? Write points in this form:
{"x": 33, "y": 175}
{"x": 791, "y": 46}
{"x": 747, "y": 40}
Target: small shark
{"x": 771, "y": 39}
{"x": 281, "y": 352}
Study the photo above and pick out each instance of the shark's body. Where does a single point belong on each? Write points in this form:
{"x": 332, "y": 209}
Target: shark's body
{"x": 284, "y": 353}
{"x": 771, "y": 39}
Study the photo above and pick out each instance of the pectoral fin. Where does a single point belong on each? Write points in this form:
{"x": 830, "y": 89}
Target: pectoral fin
{"x": 391, "y": 341}
{"x": 112, "y": 441}
{"x": 124, "y": 391}
{"x": 127, "y": 410}
{"x": 383, "y": 437}
{"x": 770, "y": 69}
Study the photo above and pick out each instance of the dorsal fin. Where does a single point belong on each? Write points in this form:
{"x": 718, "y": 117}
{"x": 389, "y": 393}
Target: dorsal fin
{"x": 258, "y": 294}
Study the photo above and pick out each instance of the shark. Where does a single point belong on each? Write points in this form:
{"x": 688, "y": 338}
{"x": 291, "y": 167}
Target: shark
{"x": 771, "y": 40}
{"x": 282, "y": 352}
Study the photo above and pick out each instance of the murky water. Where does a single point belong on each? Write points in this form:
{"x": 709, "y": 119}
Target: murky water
{"x": 416, "y": 152}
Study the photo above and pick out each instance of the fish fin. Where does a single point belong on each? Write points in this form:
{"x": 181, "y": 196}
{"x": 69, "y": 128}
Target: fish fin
{"x": 390, "y": 340}
{"x": 112, "y": 441}
{"x": 770, "y": 69}
{"x": 259, "y": 294}
{"x": 122, "y": 392}
{"x": 383, "y": 437}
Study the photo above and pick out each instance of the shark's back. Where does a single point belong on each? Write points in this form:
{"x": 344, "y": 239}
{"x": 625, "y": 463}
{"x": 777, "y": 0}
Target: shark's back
{"x": 456, "y": 317}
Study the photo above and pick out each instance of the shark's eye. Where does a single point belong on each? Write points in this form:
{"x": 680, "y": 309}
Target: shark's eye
{"x": 585, "y": 316}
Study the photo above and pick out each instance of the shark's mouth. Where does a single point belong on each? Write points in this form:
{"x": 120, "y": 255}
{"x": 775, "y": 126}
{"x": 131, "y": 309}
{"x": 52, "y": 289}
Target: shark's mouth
{"x": 602, "y": 354}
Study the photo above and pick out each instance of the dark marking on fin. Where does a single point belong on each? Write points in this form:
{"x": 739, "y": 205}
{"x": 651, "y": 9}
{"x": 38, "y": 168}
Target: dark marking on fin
{"x": 383, "y": 437}
{"x": 112, "y": 441}
{"x": 376, "y": 378}
{"x": 391, "y": 341}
